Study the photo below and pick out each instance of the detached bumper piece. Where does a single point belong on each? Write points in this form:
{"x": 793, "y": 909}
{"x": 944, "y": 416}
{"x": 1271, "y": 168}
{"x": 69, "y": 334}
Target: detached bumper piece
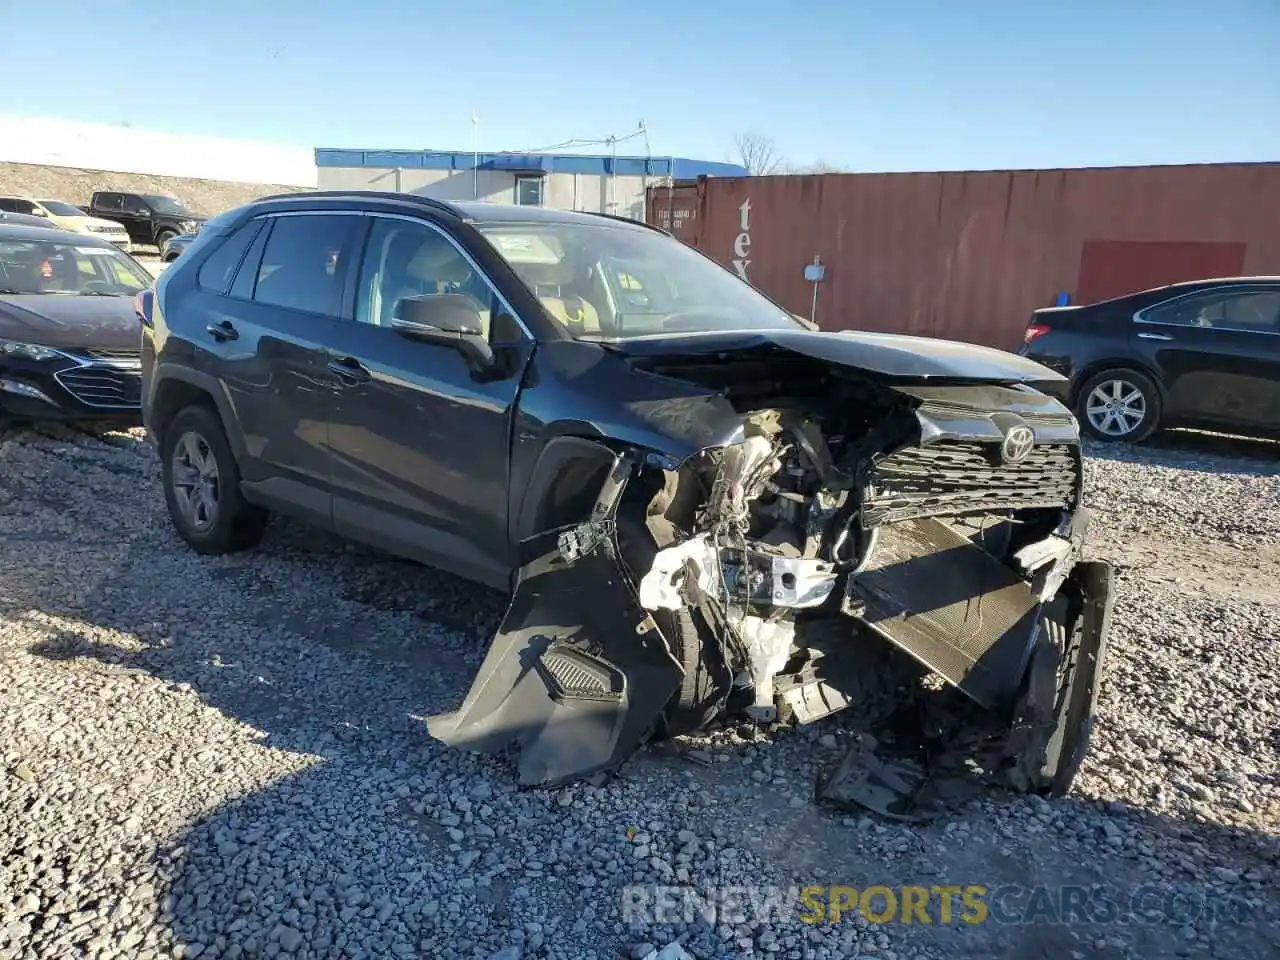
{"x": 947, "y": 602}
{"x": 931, "y": 755}
{"x": 577, "y": 676}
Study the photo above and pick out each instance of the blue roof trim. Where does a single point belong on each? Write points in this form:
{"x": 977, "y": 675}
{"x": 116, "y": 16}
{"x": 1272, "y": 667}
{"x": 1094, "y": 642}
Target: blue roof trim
{"x": 679, "y": 167}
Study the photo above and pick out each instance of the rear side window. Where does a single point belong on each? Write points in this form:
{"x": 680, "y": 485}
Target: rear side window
{"x": 1244, "y": 308}
{"x": 107, "y": 201}
{"x": 220, "y": 266}
{"x": 305, "y": 263}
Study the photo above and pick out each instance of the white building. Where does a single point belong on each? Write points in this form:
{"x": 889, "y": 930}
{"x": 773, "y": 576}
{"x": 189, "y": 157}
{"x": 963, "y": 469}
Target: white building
{"x": 562, "y": 181}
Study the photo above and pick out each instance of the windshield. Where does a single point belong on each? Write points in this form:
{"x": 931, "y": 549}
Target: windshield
{"x": 167, "y": 205}
{"x": 60, "y": 209}
{"x": 43, "y": 266}
{"x": 610, "y": 282}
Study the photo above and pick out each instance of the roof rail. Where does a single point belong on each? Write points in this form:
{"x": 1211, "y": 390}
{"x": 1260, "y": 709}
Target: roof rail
{"x": 409, "y": 199}
{"x": 630, "y": 220}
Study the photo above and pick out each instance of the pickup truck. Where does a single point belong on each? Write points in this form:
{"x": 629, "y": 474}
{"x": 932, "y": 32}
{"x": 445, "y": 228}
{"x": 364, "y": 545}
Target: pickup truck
{"x": 149, "y": 218}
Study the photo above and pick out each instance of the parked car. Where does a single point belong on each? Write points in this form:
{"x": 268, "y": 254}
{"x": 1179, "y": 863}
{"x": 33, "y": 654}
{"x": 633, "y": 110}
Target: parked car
{"x": 703, "y": 506}
{"x": 150, "y": 219}
{"x": 65, "y": 216}
{"x": 174, "y": 247}
{"x": 69, "y": 333}
{"x": 1202, "y": 354}
{"x": 26, "y": 220}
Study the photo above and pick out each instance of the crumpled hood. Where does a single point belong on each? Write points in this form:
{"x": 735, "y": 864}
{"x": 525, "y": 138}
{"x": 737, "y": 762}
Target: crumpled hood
{"x": 68, "y": 322}
{"x": 884, "y": 356}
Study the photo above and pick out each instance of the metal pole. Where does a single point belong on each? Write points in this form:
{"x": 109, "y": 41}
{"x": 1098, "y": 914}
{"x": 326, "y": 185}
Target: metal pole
{"x": 475, "y": 158}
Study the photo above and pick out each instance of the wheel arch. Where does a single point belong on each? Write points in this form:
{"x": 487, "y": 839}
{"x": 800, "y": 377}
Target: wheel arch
{"x": 1096, "y": 367}
{"x": 175, "y": 388}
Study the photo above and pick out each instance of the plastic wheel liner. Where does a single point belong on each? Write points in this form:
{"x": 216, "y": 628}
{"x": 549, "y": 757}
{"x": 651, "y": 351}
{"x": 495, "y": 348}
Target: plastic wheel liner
{"x": 579, "y": 672}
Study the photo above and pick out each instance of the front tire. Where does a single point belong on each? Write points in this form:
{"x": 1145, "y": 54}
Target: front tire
{"x": 163, "y": 237}
{"x": 1119, "y": 405}
{"x": 1053, "y": 720}
{"x": 202, "y": 485}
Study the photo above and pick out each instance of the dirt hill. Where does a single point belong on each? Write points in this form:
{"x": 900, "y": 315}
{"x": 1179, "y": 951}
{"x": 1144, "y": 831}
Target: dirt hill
{"x": 75, "y": 185}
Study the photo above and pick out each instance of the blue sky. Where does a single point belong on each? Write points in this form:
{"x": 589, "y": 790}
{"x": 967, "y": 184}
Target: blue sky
{"x": 868, "y": 86}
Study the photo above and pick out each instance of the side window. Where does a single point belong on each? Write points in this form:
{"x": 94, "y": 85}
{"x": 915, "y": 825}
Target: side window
{"x": 8, "y": 205}
{"x": 18, "y": 206}
{"x": 108, "y": 201}
{"x": 1255, "y": 311}
{"x": 1231, "y": 310}
{"x": 404, "y": 259}
{"x": 220, "y": 266}
{"x": 242, "y": 286}
{"x": 304, "y": 263}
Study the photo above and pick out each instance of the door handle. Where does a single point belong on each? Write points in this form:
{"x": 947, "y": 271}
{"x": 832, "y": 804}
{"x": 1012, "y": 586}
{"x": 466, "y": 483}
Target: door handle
{"x": 222, "y": 331}
{"x": 1154, "y": 336}
{"x": 349, "y": 370}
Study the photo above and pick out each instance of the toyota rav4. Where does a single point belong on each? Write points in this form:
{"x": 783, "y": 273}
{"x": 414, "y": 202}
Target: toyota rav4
{"x": 702, "y": 506}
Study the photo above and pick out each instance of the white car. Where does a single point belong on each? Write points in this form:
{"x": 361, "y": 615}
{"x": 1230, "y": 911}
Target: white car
{"x": 66, "y": 216}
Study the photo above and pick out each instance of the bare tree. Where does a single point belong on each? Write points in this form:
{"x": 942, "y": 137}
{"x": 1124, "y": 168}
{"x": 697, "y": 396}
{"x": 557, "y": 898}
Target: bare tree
{"x": 818, "y": 166}
{"x": 758, "y": 154}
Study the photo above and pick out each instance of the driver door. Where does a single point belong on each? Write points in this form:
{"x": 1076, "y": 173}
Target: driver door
{"x": 419, "y": 440}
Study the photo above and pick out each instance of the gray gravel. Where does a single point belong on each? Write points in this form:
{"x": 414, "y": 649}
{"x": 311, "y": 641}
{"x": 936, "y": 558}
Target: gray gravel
{"x": 225, "y": 757}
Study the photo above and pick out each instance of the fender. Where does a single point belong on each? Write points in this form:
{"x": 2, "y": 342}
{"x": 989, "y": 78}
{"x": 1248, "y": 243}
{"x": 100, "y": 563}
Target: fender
{"x": 205, "y": 383}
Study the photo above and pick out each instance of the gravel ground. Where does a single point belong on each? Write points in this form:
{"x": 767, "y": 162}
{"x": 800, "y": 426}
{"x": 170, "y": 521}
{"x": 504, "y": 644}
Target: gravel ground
{"x": 225, "y": 757}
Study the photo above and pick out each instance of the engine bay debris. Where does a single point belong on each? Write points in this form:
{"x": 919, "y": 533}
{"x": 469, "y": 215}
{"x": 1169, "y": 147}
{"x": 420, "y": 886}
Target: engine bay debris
{"x": 843, "y": 541}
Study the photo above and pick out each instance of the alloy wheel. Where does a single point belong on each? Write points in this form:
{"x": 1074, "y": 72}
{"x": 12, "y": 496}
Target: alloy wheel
{"x": 1116, "y": 408}
{"x": 195, "y": 481}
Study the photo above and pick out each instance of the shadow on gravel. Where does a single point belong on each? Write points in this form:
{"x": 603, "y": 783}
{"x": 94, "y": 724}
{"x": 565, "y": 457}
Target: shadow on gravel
{"x": 358, "y": 854}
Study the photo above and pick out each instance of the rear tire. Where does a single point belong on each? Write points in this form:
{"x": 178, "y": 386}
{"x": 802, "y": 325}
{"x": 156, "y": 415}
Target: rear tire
{"x": 202, "y": 485}
{"x": 706, "y": 680}
{"x": 1119, "y": 406}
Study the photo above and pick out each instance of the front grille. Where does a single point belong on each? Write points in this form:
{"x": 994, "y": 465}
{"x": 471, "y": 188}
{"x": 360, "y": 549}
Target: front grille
{"x": 957, "y": 477}
{"x": 102, "y": 386}
{"x": 117, "y": 355}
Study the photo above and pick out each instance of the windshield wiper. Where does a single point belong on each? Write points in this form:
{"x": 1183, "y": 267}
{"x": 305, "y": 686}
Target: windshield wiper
{"x": 13, "y": 291}
{"x": 101, "y": 293}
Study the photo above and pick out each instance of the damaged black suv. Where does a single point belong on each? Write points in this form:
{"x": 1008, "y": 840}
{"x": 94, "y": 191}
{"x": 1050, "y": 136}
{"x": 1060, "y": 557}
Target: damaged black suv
{"x": 702, "y": 506}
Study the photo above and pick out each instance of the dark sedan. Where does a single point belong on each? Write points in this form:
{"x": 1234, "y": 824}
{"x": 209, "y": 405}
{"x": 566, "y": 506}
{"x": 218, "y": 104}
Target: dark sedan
{"x": 69, "y": 335}
{"x": 1204, "y": 354}
{"x": 175, "y": 247}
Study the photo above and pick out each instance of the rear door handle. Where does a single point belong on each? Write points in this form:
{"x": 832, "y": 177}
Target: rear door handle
{"x": 350, "y": 370}
{"x": 222, "y": 331}
{"x": 1154, "y": 336}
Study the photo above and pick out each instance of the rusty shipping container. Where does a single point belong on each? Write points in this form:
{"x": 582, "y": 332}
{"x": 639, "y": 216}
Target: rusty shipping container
{"x": 968, "y": 256}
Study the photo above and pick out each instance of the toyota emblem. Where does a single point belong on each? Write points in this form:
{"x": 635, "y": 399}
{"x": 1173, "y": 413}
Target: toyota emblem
{"x": 1017, "y": 444}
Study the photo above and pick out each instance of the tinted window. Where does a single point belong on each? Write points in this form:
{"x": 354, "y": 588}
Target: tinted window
{"x": 8, "y": 205}
{"x": 405, "y": 259}
{"x": 305, "y": 262}
{"x": 243, "y": 285}
{"x": 107, "y": 201}
{"x": 1243, "y": 309}
{"x": 17, "y": 206}
{"x": 216, "y": 272}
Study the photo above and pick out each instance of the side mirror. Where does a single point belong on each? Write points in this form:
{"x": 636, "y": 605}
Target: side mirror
{"x": 450, "y": 320}
{"x": 37, "y": 212}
